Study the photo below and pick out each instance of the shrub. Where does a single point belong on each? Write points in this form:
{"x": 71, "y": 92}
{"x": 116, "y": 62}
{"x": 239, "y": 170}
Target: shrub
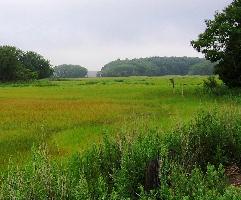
{"x": 211, "y": 83}
{"x": 209, "y": 138}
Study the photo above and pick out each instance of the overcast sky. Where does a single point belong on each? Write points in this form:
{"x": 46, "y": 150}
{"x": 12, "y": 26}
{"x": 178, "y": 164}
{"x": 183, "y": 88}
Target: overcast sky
{"x": 92, "y": 33}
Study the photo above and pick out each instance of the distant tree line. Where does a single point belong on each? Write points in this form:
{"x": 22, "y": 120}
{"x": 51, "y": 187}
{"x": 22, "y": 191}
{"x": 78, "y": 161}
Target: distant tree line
{"x": 157, "y": 66}
{"x": 70, "y": 71}
{"x": 18, "y": 65}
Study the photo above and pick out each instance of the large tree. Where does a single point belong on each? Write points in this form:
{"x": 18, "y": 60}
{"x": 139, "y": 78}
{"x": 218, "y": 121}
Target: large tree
{"x": 11, "y": 67}
{"x": 16, "y": 65}
{"x": 221, "y": 42}
{"x": 37, "y": 63}
{"x": 9, "y": 63}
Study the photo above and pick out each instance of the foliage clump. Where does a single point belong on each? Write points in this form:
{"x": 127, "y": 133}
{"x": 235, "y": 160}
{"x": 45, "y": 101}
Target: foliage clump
{"x": 70, "y": 71}
{"x": 221, "y": 43}
{"x": 17, "y": 65}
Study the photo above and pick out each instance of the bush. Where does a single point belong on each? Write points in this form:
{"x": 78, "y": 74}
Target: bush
{"x": 211, "y": 83}
{"x": 209, "y": 138}
{"x": 214, "y": 87}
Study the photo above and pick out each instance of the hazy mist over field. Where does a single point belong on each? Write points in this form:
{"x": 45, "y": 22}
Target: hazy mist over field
{"x": 92, "y": 33}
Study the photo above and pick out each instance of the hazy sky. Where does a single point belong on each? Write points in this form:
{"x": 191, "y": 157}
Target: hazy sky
{"x": 94, "y": 32}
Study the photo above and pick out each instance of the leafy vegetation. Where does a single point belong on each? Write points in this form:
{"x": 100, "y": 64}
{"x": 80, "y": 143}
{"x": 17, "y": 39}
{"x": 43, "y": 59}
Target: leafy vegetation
{"x": 157, "y": 66}
{"x": 70, "y": 71}
{"x": 193, "y": 158}
{"x": 221, "y": 42}
{"x": 17, "y": 65}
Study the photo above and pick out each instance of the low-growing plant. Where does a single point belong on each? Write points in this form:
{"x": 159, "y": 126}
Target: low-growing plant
{"x": 192, "y": 166}
{"x": 211, "y": 138}
{"x": 213, "y": 87}
{"x": 211, "y": 83}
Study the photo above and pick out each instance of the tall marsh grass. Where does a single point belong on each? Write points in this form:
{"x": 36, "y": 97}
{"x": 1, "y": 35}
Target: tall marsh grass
{"x": 55, "y": 111}
{"x": 193, "y": 158}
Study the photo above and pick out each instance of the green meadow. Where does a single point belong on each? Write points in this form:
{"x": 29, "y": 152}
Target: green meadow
{"x": 70, "y": 115}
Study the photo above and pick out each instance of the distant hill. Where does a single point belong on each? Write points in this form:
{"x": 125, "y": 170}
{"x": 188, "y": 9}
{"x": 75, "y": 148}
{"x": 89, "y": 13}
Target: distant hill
{"x": 92, "y": 73}
{"x": 158, "y": 66}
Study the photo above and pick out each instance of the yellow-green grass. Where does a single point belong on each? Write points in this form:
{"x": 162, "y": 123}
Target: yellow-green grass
{"x": 70, "y": 115}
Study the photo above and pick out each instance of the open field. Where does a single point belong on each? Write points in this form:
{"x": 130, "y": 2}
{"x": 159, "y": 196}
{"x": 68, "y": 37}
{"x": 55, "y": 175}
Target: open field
{"x": 180, "y": 144}
{"x": 70, "y": 115}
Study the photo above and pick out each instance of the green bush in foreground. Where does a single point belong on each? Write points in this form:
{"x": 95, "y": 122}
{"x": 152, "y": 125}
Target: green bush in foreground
{"x": 193, "y": 159}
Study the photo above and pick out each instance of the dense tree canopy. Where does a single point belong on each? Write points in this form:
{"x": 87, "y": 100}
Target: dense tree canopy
{"x": 37, "y": 63}
{"x": 16, "y": 64}
{"x": 157, "y": 66}
{"x": 70, "y": 71}
{"x": 202, "y": 68}
{"x": 221, "y": 42}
